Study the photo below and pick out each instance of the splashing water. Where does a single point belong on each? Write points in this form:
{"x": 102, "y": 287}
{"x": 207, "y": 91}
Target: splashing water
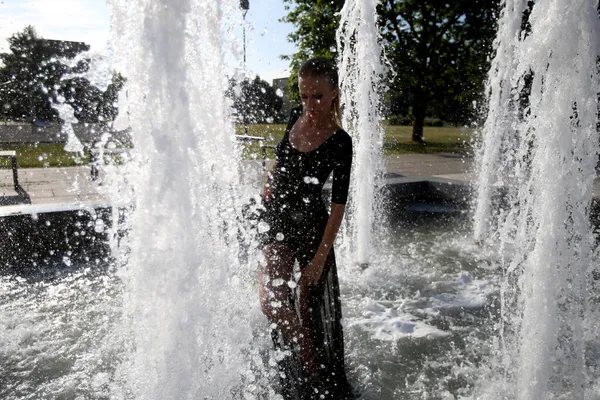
{"x": 184, "y": 292}
{"x": 541, "y": 136}
{"x": 360, "y": 72}
{"x": 191, "y": 312}
{"x": 496, "y": 158}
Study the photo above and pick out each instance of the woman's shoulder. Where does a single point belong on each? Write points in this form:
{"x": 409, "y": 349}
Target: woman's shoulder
{"x": 295, "y": 114}
{"x": 343, "y": 137}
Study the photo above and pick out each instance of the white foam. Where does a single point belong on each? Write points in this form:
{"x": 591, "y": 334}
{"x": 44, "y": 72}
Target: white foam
{"x": 389, "y": 322}
{"x": 463, "y": 292}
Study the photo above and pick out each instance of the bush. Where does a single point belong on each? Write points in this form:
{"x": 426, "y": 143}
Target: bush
{"x": 434, "y": 122}
{"x": 406, "y": 121}
{"x": 395, "y": 120}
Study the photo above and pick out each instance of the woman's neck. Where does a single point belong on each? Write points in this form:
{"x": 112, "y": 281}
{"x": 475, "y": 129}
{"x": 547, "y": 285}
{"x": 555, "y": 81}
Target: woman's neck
{"x": 325, "y": 123}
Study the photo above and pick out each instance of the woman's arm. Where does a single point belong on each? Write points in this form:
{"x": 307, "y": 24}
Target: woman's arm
{"x": 313, "y": 271}
{"x": 267, "y": 187}
{"x": 340, "y": 185}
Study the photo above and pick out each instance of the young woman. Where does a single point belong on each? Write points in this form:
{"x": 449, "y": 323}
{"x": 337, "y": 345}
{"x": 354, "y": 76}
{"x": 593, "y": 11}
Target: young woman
{"x": 301, "y": 230}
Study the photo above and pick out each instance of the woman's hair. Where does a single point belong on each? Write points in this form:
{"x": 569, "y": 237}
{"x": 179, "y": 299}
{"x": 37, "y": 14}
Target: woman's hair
{"x": 319, "y": 67}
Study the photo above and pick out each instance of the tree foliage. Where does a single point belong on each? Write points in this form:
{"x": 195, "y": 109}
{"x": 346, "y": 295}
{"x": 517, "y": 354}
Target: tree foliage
{"x": 438, "y": 51}
{"x": 316, "y": 22}
{"x": 34, "y": 76}
{"x": 255, "y": 101}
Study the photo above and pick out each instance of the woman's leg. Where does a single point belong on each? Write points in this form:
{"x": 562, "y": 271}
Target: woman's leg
{"x": 276, "y": 300}
{"x": 323, "y": 314}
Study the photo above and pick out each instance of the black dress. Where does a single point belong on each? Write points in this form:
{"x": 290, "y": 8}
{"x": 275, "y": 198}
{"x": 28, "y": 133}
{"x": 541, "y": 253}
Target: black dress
{"x": 297, "y": 217}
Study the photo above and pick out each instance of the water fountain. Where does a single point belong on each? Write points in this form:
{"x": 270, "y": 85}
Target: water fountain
{"x": 176, "y": 316}
{"x": 361, "y": 71}
{"x": 496, "y": 155}
{"x": 541, "y": 134}
{"x": 184, "y": 281}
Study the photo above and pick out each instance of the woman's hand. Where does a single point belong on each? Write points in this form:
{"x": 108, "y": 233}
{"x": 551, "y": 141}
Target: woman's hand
{"x": 268, "y": 186}
{"x": 311, "y": 274}
{"x": 268, "y": 190}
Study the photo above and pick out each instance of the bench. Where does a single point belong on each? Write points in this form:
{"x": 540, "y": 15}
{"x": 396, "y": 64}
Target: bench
{"x": 261, "y": 144}
{"x": 13, "y": 161}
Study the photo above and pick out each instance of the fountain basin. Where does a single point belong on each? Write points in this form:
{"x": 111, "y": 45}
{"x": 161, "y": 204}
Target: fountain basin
{"x": 38, "y": 237}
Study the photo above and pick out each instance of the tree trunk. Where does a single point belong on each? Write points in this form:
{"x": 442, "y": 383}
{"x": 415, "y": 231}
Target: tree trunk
{"x": 419, "y": 122}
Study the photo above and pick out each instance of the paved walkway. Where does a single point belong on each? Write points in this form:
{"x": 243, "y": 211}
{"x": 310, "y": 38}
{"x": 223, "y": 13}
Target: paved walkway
{"x": 49, "y": 189}
{"x": 417, "y": 165}
{"x": 73, "y": 185}
{"x": 56, "y": 185}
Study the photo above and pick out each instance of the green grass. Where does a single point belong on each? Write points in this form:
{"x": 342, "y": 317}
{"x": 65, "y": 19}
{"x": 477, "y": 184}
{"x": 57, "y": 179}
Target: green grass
{"x": 31, "y": 155}
{"x": 272, "y": 133}
{"x": 397, "y": 141}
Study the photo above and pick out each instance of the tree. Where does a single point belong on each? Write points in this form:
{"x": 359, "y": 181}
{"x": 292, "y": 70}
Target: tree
{"x": 316, "y": 22}
{"x": 107, "y": 106}
{"x": 438, "y": 50}
{"x": 90, "y": 103}
{"x": 34, "y": 75}
{"x": 255, "y": 101}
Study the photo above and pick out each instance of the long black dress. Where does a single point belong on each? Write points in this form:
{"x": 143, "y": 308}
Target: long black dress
{"x": 297, "y": 217}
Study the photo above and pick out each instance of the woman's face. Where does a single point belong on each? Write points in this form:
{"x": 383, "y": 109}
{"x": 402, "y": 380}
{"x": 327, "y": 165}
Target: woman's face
{"x": 317, "y": 96}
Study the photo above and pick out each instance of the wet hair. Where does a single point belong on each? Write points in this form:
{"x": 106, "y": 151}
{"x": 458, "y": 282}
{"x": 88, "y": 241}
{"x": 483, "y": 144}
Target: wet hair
{"x": 319, "y": 67}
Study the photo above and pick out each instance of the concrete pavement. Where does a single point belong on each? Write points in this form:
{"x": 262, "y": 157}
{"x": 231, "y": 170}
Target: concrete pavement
{"x": 417, "y": 165}
{"x": 73, "y": 185}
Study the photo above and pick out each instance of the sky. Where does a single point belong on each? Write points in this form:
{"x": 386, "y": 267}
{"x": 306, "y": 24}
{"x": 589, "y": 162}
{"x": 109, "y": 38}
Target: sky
{"x": 89, "y": 21}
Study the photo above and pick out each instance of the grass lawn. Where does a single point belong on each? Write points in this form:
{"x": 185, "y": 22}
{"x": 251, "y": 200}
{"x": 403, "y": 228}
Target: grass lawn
{"x": 31, "y": 155}
{"x": 397, "y": 141}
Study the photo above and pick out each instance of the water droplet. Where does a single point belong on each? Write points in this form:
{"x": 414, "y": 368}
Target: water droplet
{"x": 275, "y": 304}
{"x": 99, "y": 226}
{"x": 279, "y": 236}
{"x": 276, "y": 283}
{"x": 263, "y": 227}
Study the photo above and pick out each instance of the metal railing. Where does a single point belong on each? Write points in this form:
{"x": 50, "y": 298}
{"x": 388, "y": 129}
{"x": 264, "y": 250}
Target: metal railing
{"x": 261, "y": 144}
